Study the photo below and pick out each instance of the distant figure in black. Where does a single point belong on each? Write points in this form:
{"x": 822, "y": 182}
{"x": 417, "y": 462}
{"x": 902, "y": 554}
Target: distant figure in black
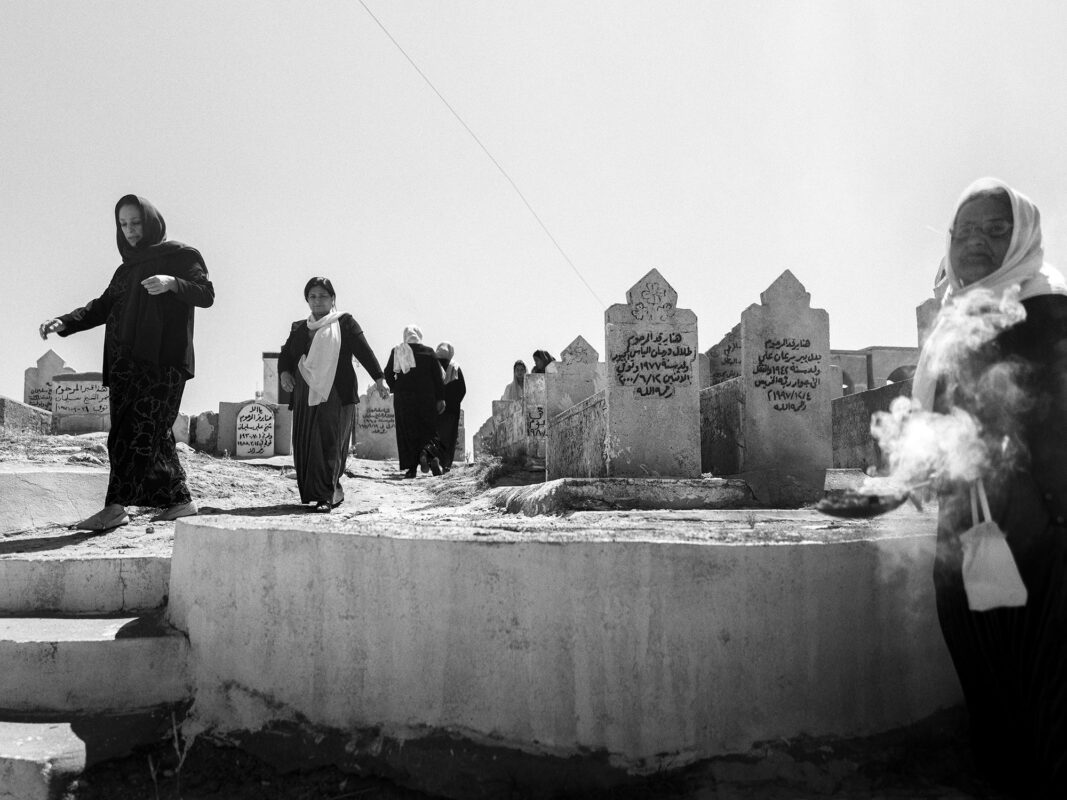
{"x": 542, "y": 358}
{"x": 315, "y": 365}
{"x": 419, "y": 396}
{"x": 147, "y": 314}
{"x": 455, "y": 390}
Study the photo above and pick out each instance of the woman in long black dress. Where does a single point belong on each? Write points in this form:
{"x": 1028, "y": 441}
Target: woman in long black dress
{"x": 1011, "y": 660}
{"x": 147, "y": 314}
{"x": 315, "y": 366}
{"x": 419, "y": 396}
{"x": 455, "y": 391}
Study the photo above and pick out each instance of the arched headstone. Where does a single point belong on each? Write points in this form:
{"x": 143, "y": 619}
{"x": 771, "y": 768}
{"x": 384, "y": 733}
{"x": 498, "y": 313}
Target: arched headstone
{"x": 255, "y": 432}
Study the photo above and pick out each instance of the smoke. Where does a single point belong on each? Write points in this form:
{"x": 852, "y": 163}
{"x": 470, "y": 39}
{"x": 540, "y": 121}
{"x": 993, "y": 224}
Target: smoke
{"x": 921, "y": 446}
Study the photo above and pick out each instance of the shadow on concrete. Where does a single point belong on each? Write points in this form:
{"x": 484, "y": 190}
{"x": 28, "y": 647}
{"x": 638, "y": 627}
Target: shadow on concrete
{"x": 280, "y": 510}
{"x": 38, "y": 544}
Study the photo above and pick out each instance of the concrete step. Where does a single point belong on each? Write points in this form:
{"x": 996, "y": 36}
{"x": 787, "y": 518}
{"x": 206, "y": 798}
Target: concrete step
{"x": 68, "y": 665}
{"x": 36, "y": 582}
{"x": 38, "y": 760}
{"x": 34, "y": 495}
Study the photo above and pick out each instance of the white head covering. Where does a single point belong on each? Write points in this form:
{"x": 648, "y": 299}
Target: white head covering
{"x": 1024, "y": 267}
{"x": 445, "y": 351}
{"x": 403, "y": 356}
{"x": 319, "y": 366}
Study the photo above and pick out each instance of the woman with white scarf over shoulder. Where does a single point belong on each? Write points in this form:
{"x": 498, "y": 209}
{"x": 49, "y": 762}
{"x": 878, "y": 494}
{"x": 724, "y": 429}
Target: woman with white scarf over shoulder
{"x": 315, "y": 366}
{"x": 998, "y": 352}
{"x": 417, "y": 382}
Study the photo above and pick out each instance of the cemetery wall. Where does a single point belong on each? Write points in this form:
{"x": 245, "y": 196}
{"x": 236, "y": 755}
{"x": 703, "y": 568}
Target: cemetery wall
{"x": 659, "y": 652}
{"x": 16, "y": 416}
{"x": 578, "y": 439}
{"x": 854, "y": 447}
{"x": 509, "y": 429}
{"x": 722, "y": 409}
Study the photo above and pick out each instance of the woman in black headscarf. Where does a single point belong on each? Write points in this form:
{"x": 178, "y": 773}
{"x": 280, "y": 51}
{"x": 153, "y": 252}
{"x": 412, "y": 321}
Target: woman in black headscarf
{"x": 417, "y": 381}
{"x": 147, "y": 314}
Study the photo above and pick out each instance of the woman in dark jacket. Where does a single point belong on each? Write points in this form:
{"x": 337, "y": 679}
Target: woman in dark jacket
{"x": 455, "y": 391}
{"x": 315, "y": 365}
{"x": 1009, "y": 373}
{"x": 147, "y": 314}
{"x": 419, "y": 396}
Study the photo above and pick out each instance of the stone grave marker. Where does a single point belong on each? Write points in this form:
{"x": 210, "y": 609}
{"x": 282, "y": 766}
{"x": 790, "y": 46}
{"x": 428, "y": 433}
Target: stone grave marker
{"x": 37, "y": 386}
{"x": 80, "y": 403}
{"x": 255, "y": 432}
{"x": 374, "y": 436}
{"x": 534, "y": 415}
{"x": 925, "y": 316}
{"x": 724, "y": 358}
{"x": 787, "y": 429}
{"x": 573, "y": 378}
{"x": 653, "y": 385}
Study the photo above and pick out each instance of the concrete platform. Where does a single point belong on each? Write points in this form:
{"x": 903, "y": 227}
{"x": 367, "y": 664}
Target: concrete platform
{"x": 38, "y": 760}
{"x": 30, "y": 584}
{"x": 622, "y": 494}
{"x": 32, "y": 496}
{"x": 642, "y": 641}
{"x": 67, "y": 665}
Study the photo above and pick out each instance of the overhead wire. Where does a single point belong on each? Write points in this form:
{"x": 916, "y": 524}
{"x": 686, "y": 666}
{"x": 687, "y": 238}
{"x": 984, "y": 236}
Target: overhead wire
{"x": 485, "y": 150}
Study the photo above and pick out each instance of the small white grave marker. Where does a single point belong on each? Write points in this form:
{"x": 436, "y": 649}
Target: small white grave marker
{"x": 255, "y": 432}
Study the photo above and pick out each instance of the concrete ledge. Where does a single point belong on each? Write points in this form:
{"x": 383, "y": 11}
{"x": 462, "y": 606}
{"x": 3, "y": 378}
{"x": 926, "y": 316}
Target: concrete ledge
{"x": 79, "y": 665}
{"x": 645, "y": 654}
{"x": 32, "y": 495}
{"x": 37, "y": 761}
{"x": 619, "y": 494}
{"x": 30, "y": 585}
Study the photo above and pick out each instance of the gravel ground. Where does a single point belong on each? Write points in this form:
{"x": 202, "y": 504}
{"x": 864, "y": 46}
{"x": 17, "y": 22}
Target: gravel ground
{"x": 927, "y": 760}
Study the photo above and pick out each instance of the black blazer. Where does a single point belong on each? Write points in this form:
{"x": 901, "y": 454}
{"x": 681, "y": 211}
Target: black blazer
{"x": 353, "y": 343}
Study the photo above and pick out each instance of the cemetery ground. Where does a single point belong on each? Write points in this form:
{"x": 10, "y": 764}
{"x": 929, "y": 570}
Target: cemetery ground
{"x": 925, "y": 760}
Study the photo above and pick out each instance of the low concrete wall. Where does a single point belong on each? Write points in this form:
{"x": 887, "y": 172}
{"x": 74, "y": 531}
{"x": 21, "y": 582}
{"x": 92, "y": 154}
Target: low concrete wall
{"x": 16, "y": 416}
{"x": 578, "y": 440}
{"x": 854, "y": 447}
{"x": 509, "y": 428}
{"x": 32, "y": 495}
{"x": 652, "y": 654}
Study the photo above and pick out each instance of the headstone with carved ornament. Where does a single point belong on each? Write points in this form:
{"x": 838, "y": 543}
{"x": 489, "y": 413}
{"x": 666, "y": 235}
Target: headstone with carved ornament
{"x": 37, "y": 386}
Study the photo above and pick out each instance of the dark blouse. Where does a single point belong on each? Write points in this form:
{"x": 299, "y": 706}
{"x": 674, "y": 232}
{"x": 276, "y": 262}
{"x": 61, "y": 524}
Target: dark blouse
{"x": 425, "y": 378}
{"x": 353, "y": 344}
{"x": 157, "y": 329}
{"x": 455, "y": 391}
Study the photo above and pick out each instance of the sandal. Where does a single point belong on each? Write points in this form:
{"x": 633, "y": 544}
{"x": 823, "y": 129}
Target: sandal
{"x": 323, "y": 507}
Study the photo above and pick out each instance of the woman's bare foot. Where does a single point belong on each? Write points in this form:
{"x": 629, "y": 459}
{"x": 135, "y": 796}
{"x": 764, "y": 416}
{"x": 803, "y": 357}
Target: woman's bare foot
{"x": 110, "y": 516}
{"x": 174, "y": 512}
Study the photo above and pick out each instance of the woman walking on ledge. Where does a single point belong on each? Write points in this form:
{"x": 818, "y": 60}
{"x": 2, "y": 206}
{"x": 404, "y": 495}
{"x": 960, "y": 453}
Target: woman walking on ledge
{"x": 147, "y": 314}
{"x": 316, "y": 366}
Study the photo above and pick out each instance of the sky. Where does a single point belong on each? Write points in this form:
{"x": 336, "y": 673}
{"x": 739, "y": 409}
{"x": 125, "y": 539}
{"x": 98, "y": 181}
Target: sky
{"x": 719, "y": 142}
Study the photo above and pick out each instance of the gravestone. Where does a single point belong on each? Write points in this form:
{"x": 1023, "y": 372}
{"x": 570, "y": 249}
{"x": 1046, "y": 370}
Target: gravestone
{"x": 273, "y": 393}
{"x": 204, "y": 431}
{"x": 80, "y": 403}
{"x": 724, "y": 358}
{"x": 925, "y": 316}
{"x": 534, "y": 415}
{"x": 785, "y": 353}
{"x": 37, "y": 385}
{"x": 459, "y": 455}
{"x": 180, "y": 428}
{"x": 573, "y": 378}
{"x": 374, "y": 436}
{"x": 653, "y": 384}
{"x": 255, "y": 432}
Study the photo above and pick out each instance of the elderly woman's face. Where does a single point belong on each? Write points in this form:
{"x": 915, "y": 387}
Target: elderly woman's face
{"x": 132, "y": 224}
{"x": 319, "y": 301}
{"x": 981, "y": 235}
{"x": 520, "y": 372}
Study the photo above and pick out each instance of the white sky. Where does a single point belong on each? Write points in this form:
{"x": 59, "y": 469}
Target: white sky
{"x": 720, "y": 142}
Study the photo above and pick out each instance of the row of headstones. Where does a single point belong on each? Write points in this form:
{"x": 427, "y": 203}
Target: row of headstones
{"x": 645, "y": 411}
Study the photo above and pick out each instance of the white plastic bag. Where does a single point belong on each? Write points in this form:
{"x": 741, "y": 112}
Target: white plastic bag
{"x": 990, "y": 575}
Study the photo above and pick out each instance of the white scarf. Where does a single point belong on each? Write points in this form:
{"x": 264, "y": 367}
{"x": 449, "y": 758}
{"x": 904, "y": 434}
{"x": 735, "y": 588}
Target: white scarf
{"x": 319, "y": 366}
{"x": 1024, "y": 266}
{"x": 403, "y": 355}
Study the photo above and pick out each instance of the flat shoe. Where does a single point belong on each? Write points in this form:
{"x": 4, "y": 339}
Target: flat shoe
{"x": 410, "y": 473}
{"x": 175, "y": 512}
{"x": 96, "y": 523}
{"x": 435, "y": 466}
{"x": 322, "y": 507}
{"x": 423, "y": 463}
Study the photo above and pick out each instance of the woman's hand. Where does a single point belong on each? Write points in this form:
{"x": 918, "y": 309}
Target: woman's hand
{"x": 287, "y": 381}
{"x": 440, "y": 406}
{"x": 160, "y": 284}
{"x": 383, "y": 388}
{"x": 51, "y": 326}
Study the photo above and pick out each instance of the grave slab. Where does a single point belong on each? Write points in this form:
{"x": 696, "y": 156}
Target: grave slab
{"x": 16, "y": 416}
{"x": 80, "y": 403}
{"x": 85, "y": 585}
{"x": 38, "y": 760}
{"x": 32, "y": 495}
{"x": 623, "y": 494}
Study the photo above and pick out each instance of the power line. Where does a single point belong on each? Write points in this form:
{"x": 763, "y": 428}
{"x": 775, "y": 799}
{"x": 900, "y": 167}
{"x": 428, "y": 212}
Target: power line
{"x": 485, "y": 150}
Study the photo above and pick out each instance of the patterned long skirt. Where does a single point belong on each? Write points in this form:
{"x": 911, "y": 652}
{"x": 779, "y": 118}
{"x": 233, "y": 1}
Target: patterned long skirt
{"x": 321, "y": 435}
{"x": 145, "y": 470}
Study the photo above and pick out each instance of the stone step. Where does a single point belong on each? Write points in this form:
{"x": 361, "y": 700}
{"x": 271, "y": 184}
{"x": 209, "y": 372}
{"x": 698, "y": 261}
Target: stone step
{"x": 36, "y": 582}
{"x": 38, "y": 760}
{"x": 94, "y": 665}
{"x": 35, "y": 495}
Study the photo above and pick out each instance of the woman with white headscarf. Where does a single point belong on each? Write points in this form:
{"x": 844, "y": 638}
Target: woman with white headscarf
{"x": 315, "y": 365}
{"x": 417, "y": 381}
{"x": 1004, "y": 362}
{"x": 455, "y": 391}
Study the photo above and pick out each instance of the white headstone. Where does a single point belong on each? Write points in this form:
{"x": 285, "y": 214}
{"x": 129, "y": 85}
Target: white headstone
{"x": 573, "y": 378}
{"x": 37, "y": 386}
{"x": 255, "y": 432}
{"x": 375, "y": 433}
{"x": 80, "y": 403}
